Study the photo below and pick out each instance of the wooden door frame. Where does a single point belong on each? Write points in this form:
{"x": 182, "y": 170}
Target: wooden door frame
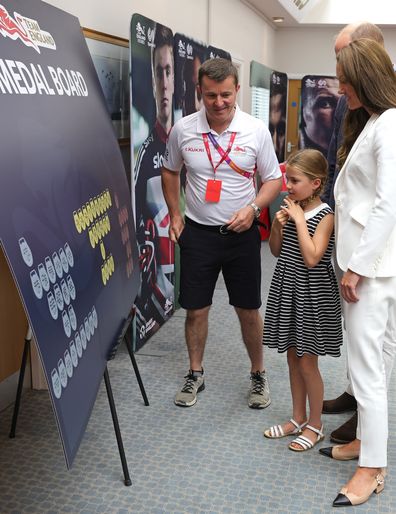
{"x": 293, "y": 115}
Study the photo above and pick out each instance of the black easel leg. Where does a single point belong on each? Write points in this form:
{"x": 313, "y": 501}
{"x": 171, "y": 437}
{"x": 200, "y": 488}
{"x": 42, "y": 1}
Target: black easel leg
{"x": 20, "y": 385}
{"x": 137, "y": 373}
{"x": 127, "y": 478}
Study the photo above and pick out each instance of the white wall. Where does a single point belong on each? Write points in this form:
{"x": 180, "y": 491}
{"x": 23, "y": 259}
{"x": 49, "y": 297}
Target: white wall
{"x": 302, "y": 51}
{"x": 114, "y": 17}
{"x": 226, "y": 24}
{"x": 351, "y": 11}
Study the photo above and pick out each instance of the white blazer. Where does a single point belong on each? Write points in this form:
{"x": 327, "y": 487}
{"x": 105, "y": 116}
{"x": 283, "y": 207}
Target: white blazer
{"x": 365, "y": 201}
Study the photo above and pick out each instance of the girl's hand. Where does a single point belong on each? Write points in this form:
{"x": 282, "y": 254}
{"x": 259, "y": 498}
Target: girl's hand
{"x": 281, "y": 218}
{"x": 293, "y": 210}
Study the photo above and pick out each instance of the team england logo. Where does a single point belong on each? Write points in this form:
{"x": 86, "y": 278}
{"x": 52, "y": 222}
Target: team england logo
{"x": 25, "y": 29}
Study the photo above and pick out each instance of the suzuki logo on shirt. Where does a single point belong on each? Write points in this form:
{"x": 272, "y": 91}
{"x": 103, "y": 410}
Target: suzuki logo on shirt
{"x": 193, "y": 149}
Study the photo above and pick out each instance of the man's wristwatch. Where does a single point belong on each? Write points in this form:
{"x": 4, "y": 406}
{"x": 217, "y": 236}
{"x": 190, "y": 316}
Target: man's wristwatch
{"x": 256, "y": 208}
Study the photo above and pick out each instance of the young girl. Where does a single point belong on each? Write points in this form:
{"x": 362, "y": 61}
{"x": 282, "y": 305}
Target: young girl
{"x": 303, "y": 314}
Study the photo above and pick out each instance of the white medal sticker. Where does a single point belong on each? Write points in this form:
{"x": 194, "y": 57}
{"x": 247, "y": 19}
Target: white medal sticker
{"x": 69, "y": 255}
{"x": 36, "y": 284}
{"x": 95, "y": 317}
{"x": 73, "y": 353}
{"x": 58, "y": 297}
{"x": 26, "y": 252}
{"x": 62, "y": 373}
{"x": 68, "y": 364}
{"x": 57, "y": 264}
{"x": 71, "y": 286}
{"x": 63, "y": 259}
{"x": 65, "y": 291}
{"x": 83, "y": 338}
{"x": 87, "y": 329}
{"x": 45, "y": 282}
{"x": 56, "y": 384}
{"x": 66, "y": 324}
{"x": 91, "y": 323}
{"x": 78, "y": 344}
{"x": 53, "y": 307}
{"x": 72, "y": 317}
{"x": 50, "y": 269}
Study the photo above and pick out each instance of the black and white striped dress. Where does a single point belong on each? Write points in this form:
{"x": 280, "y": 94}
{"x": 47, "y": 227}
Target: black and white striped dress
{"x": 303, "y": 307}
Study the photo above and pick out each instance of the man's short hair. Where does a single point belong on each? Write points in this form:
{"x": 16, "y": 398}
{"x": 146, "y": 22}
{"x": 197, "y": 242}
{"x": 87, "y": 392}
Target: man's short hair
{"x": 369, "y": 31}
{"x": 217, "y": 69}
{"x": 362, "y": 30}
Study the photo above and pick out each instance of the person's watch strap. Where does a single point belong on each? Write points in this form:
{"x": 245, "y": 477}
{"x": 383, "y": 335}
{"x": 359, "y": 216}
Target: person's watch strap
{"x": 256, "y": 209}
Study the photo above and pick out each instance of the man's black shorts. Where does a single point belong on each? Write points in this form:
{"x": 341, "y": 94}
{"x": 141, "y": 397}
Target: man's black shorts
{"x": 204, "y": 252}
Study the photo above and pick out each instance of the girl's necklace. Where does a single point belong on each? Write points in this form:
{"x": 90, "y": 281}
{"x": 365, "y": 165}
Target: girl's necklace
{"x": 304, "y": 203}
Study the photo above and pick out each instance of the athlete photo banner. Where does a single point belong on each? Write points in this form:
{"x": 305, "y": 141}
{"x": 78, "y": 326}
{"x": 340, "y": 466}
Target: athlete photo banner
{"x": 66, "y": 221}
{"x": 214, "y": 53}
{"x": 277, "y": 112}
{"x": 319, "y": 97}
{"x": 153, "y": 84}
{"x": 189, "y": 55}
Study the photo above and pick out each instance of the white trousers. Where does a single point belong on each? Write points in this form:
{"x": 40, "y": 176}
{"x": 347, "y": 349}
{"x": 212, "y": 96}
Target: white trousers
{"x": 371, "y": 346}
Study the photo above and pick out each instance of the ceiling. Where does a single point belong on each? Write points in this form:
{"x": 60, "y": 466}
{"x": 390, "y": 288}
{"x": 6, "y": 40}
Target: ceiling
{"x": 319, "y": 13}
{"x": 270, "y": 8}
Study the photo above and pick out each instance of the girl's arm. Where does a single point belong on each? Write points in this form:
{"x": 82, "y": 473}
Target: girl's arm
{"x": 312, "y": 248}
{"x": 276, "y": 236}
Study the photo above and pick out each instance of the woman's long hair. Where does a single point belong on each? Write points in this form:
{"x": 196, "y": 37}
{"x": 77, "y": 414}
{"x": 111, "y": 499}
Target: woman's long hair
{"x": 366, "y": 66}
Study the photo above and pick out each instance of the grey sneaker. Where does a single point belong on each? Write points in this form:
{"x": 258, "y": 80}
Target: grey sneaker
{"x": 259, "y": 395}
{"x": 194, "y": 383}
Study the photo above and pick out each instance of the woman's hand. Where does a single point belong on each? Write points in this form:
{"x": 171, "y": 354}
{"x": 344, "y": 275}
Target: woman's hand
{"x": 349, "y": 284}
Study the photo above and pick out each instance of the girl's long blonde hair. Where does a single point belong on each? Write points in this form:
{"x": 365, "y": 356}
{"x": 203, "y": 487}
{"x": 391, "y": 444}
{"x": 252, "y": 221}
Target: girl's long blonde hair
{"x": 311, "y": 163}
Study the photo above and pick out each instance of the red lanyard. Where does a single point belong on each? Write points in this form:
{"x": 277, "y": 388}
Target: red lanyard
{"x": 223, "y": 153}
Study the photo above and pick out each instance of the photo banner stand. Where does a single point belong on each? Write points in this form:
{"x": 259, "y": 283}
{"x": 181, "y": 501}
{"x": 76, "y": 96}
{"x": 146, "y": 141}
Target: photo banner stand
{"x": 112, "y": 353}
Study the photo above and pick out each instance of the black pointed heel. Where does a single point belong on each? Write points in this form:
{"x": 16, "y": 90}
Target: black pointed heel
{"x": 345, "y": 499}
{"x": 333, "y": 453}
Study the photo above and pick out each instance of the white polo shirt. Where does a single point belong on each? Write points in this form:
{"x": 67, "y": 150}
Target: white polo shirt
{"x": 252, "y": 147}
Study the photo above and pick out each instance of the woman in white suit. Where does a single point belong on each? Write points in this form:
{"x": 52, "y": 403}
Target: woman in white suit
{"x": 365, "y": 195}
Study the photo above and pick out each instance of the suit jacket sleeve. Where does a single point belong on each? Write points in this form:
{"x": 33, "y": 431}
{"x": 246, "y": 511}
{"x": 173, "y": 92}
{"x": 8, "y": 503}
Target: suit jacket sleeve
{"x": 377, "y": 239}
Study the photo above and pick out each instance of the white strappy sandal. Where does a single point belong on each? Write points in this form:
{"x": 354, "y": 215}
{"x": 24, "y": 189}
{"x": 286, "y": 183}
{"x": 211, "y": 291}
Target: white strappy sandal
{"x": 277, "y": 432}
{"x": 304, "y": 442}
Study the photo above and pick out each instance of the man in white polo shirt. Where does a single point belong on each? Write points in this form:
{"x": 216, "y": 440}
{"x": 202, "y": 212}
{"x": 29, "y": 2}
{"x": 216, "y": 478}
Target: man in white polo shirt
{"x": 221, "y": 148}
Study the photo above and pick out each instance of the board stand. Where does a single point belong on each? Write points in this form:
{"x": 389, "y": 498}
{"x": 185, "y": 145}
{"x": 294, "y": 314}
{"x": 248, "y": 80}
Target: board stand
{"x": 126, "y": 325}
{"x": 127, "y": 478}
{"x": 124, "y": 329}
{"x": 22, "y": 370}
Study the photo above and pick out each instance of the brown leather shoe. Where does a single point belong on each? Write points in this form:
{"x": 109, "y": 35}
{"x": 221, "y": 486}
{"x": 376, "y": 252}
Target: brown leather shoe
{"x": 346, "y": 432}
{"x": 343, "y": 403}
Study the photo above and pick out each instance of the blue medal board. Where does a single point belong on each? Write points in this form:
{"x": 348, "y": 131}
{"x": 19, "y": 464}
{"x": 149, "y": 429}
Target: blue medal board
{"x": 66, "y": 223}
